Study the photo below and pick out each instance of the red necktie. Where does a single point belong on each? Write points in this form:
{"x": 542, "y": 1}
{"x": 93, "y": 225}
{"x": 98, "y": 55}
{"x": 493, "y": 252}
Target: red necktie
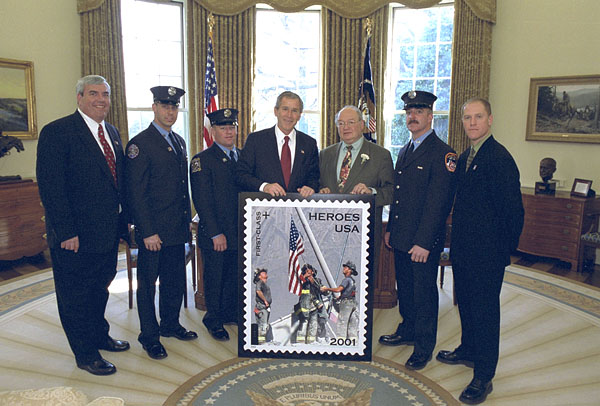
{"x": 286, "y": 161}
{"x": 108, "y": 153}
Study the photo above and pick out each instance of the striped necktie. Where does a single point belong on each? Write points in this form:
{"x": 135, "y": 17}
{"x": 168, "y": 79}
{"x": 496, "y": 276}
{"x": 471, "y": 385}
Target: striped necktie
{"x": 470, "y": 158}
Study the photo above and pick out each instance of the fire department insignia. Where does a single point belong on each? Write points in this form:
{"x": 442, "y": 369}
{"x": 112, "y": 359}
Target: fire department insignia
{"x": 412, "y": 94}
{"x": 172, "y": 91}
{"x": 195, "y": 165}
{"x": 451, "y": 159}
{"x": 227, "y": 113}
{"x": 133, "y": 151}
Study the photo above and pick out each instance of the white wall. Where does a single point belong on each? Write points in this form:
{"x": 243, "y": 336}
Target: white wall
{"x": 47, "y": 33}
{"x": 539, "y": 38}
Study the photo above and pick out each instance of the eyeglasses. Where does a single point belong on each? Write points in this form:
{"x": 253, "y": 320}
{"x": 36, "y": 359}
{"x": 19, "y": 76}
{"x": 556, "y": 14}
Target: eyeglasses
{"x": 346, "y": 123}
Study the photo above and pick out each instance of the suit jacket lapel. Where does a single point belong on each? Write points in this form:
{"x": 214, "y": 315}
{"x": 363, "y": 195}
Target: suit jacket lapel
{"x": 357, "y": 166}
{"x": 272, "y": 154}
{"x": 425, "y": 145}
{"x": 87, "y": 138}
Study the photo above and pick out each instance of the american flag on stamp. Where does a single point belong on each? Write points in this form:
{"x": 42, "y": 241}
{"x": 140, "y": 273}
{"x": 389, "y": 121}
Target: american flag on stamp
{"x": 296, "y": 249}
{"x": 211, "y": 101}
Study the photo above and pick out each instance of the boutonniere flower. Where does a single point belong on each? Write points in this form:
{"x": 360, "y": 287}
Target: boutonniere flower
{"x": 364, "y": 158}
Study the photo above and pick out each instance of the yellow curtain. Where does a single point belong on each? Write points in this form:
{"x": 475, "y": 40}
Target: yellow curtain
{"x": 344, "y": 41}
{"x": 345, "y": 8}
{"x": 471, "y": 57}
{"x": 102, "y": 53}
{"x": 233, "y": 49}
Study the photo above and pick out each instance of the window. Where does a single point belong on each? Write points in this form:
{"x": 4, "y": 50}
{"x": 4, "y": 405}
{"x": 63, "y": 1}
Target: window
{"x": 420, "y": 58}
{"x": 153, "y": 56}
{"x": 288, "y": 57}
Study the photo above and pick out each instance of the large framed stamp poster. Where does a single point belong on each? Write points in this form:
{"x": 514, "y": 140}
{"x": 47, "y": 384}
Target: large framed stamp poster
{"x": 305, "y": 267}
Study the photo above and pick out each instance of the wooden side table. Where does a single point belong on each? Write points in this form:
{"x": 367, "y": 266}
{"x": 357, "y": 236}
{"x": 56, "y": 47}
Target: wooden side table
{"x": 22, "y": 227}
{"x": 554, "y": 224}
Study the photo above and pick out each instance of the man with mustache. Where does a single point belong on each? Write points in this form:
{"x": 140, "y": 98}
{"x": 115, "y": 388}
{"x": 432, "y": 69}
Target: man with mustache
{"x": 423, "y": 194}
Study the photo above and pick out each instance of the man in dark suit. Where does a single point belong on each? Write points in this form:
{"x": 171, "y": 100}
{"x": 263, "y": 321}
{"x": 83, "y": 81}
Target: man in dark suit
{"x": 280, "y": 159}
{"x": 157, "y": 182}
{"x": 80, "y": 177}
{"x": 425, "y": 185}
{"x": 486, "y": 224}
{"x": 357, "y": 166}
{"x": 215, "y": 195}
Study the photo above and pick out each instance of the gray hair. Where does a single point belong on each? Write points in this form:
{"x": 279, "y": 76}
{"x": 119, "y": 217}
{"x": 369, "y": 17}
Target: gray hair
{"x": 289, "y": 95}
{"x": 90, "y": 80}
{"x": 351, "y": 107}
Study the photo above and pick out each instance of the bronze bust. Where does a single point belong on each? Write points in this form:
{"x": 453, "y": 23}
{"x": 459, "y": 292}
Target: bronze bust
{"x": 547, "y": 169}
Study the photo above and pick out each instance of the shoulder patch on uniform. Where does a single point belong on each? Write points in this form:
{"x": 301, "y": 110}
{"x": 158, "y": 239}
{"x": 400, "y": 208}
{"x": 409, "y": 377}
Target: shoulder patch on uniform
{"x": 450, "y": 160}
{"x": 195, "y": 165}
{"x": 133, "y": 151}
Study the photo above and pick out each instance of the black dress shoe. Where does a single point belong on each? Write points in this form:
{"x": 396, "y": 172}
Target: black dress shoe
{"x": 180, "y": 333}
{"x": 417, "y": 361}
{"x": 114, "y": 345}
{"x": 155, "y": 350}
{"x": 219, "y": 333}
{"x": 476, "y": 392}
{"x": 395, "y": 339}
{"x": 98, "y": 367}
{"x": 454, "y": 357}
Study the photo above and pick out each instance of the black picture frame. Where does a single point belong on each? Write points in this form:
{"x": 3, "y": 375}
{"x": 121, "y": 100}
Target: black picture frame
{"x": 342, "y": 227}
{"x": 581, "y": 187}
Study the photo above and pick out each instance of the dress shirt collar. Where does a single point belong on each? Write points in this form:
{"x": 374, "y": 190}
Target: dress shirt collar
{"x": 92, "y": 124}
{"x": 420, "y": 140}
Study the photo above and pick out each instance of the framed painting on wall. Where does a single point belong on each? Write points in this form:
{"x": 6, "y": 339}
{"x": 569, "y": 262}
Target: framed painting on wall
{"x": 292, "y": 252}
{"x": 17, "y": 99}
{"x": 565, "y": 109}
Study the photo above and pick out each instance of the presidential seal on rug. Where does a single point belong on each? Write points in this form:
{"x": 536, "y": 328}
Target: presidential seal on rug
{"x": 287, "y": 382}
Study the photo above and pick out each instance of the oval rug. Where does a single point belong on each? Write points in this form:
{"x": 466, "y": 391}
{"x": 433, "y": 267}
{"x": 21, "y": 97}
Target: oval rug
{"x": 285, "y": 382}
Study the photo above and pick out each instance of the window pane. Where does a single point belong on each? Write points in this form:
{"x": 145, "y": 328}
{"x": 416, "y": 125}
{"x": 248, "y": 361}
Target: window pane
{"x": 288, "y": 50}
{"x": 421, "y": 59}
{"x": 153, "y": 56}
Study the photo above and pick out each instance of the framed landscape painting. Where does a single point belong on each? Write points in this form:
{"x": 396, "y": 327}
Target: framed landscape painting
{"x": 290, "y": 248}
{"x": 17, "y": 99}
{"x": 565, "y": 109}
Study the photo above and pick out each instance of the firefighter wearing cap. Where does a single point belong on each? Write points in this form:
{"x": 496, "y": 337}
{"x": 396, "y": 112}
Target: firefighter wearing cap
{"x": 424, "y": 188}
{"x": 157, "y": 186}
{"x": 215, "y": 196}
{"x": 347, "y": 325}
{"x": 263, "y": 298}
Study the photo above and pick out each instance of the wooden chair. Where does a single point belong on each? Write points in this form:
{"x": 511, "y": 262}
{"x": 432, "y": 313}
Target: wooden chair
{"x": 131, "y": 252}
{"x": 445, "y": 256}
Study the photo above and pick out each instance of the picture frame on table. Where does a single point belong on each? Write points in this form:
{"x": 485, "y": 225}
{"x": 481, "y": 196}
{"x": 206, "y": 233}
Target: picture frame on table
{"x": 564, "y": 109}
{"x": 17, "y": 99}
{"x": 285, "y": 236}
{"x": 581, "y": 187}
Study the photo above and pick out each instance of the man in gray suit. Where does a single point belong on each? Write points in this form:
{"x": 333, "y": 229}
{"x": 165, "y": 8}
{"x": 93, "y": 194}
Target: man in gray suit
{"x": 357, "y": 166}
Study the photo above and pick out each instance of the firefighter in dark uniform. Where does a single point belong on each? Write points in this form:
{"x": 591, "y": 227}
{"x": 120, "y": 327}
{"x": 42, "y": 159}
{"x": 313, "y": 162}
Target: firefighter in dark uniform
{"x": 423, "y": 194}
{"x": 157, "y": 185}
{"x": 215, "y": 196}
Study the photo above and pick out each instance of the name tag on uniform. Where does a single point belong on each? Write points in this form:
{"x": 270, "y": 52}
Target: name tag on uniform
{"x": 420, "y": 168}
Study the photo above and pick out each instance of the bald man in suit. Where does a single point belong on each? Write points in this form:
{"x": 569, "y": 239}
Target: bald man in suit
{"x": 357, "y": 166}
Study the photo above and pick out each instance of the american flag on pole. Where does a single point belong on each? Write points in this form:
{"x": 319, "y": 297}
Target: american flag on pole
{"x": 296, "y": 249}
{"x": 366, "y": 103}
{"x": 211, "y": 102}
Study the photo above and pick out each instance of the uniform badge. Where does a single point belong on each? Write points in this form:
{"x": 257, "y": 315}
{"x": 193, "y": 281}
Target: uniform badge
{"x": 450, "y": 160}
{"x": 227, "y": 113}
{"x": 195, "y": 165}
{"x": 412, "y": 94}
{"x": 133, "y": 151}
{"x": 172, "y": 91}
